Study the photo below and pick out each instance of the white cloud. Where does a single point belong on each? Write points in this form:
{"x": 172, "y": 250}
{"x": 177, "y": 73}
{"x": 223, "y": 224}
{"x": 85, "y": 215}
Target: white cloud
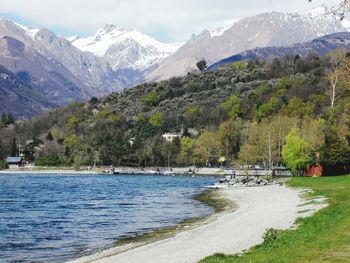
{"x": 167, "y": 19}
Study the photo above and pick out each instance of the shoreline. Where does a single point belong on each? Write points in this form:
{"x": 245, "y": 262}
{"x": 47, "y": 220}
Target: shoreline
{"x": 202, "y": 172}
{"x": 229, "y": 232}
{"x": 210, "y": 197}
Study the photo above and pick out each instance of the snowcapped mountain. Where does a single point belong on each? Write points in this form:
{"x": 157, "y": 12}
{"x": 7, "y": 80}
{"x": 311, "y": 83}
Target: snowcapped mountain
{"x": 62, "y": 70}
{"x": 125, "y": 48}
{"x": 263, "y": 30}
{"x": 53, "y": 67}
{"x": 95, "y": 75}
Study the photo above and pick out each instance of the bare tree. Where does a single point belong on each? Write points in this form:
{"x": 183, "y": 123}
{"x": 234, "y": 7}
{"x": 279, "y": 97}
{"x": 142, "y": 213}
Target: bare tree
{"x": 340, "y": 9}
{"x": 337, "y": 76}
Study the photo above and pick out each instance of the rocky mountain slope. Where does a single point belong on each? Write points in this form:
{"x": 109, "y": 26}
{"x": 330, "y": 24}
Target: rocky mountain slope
{"x": 19, "y": 98}
{"x": 63, "y": 70}
{"x": 90, "y": 70}
{"x": 319, "y": 46}
{"x": 268, "y": 29}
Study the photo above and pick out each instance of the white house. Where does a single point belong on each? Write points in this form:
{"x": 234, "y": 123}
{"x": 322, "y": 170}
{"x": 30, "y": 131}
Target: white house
{"x": 14, "y": 162}
{"x": 170, "y": 137}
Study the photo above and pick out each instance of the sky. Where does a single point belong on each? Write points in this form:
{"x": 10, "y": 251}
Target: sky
{"x": 166, "y": 20}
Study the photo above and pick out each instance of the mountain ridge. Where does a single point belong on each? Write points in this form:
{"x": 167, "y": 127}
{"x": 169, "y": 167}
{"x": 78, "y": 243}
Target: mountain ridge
{"x": 262, "y": 30}
{"x": 319, "y": 46}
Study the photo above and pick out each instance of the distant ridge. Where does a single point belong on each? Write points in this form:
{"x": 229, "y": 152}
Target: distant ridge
{"x": 319, "y": 46}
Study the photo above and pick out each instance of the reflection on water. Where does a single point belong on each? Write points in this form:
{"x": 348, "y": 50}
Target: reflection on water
{"x": 52, "y": 218}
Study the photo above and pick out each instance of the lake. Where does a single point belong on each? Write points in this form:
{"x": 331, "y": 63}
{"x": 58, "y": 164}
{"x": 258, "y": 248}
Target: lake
{"x": 53, "y": 218}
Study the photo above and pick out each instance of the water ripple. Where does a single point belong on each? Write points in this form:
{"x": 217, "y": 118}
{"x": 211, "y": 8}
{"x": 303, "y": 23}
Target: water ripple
{"x": 52, "y": 218}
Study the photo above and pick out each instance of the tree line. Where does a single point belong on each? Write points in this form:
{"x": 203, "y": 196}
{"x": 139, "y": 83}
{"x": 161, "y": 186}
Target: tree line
{"x": 292, "y": 111}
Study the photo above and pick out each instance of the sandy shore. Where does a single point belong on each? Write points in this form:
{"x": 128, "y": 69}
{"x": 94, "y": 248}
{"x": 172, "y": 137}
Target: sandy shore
{"x": 232, "y": 232}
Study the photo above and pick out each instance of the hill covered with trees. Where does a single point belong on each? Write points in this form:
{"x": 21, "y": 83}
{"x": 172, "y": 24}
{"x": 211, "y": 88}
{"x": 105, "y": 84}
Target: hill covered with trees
{"x": 293, "y": 111}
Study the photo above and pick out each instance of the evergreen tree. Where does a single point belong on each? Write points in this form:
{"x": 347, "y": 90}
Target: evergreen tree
{"x": 14, "y": 147}
{"x": 3, "y": 118}
{"x": 202, "y": 65}
{"x": 49, "y": 136}
{"x": 10, "y": 119}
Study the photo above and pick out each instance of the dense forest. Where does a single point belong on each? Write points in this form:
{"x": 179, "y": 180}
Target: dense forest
{"x": 293, "y": 111}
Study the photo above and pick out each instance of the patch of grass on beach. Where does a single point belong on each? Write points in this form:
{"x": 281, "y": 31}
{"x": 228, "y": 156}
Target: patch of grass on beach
{"x": 324, "y": 237}
{"x": 215, "y": 200}
{"x": 209, "y": 197}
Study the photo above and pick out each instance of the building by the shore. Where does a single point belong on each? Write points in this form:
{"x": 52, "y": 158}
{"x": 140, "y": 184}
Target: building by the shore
{"x": 14, "y": 162}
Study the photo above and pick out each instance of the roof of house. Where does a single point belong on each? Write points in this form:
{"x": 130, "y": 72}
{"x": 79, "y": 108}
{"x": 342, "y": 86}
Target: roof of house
{"x": 13, "y": 159}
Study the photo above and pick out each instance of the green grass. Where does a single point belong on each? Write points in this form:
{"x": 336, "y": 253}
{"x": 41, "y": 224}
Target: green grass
{"x": 324, "y": 237}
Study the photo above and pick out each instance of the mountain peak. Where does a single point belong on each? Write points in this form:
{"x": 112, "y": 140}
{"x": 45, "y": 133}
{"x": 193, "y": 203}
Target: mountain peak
{"x": 319, "y": 11}
{"x": 110, "y": 28}
{"x": 125, "y": 47}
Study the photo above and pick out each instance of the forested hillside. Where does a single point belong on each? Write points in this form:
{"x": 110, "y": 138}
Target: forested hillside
{"x": 293, "y": 111}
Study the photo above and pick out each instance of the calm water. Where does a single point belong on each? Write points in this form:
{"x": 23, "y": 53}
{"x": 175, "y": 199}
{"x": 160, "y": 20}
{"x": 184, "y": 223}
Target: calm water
{"x": 52, "y": 218}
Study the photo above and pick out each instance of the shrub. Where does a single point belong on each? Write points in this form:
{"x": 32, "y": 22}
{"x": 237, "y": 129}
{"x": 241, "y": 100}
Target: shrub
{"x": 2, "y": 165}
{"x": 51, "y": 160}
{"x": 151, "y": 99}
{"x": 157, "y": 120}
{"x": 271, "y": 234}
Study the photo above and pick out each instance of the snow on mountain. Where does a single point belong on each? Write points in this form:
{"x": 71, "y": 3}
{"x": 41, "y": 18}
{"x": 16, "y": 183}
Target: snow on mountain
{"x": 319, "y": 11}
{"x": 125, "y": 47}
{"x": 30, "y": 32}
{"x": 263, "y": 30}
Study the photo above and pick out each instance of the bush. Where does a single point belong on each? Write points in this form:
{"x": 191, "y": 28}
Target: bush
{"x": 2, "y": 165}
{"x": 151, "y": 99}
{"x": 271, "y": 234}
{"x": 51, "y": 160}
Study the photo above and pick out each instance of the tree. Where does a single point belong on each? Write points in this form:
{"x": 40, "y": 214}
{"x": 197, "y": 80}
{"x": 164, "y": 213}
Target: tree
{"x": 341, "y": 9}
{"x": 169, "y": 150}
{"x": 232, "y": 106}
{"x": 266, "y": 109}
{"x": 343, "y": 127}
{"x": 3, "y": 118}
{"x": 202, "y": 65}
{"x": 335, "y": 151}
{"x": 14, "y": 147}
{"x": 10, "y": 119}
{"x": 207, "y": 147}
{"x": 151, "y": 99}
{"x": 97, "y": 158}
{"x": 337, "y": 76}
{"x": 2, "y": 164}
{"x": 49, "y": 136}
{"x": 247, "y": 154}
{"x": 157, "y": 120}
{"x": 262, "y": 142}
{"x": 294, "y": 151}
{"x": 7, "y": 119}
{"x": 229, "y": 136}
{"x": 73, "y": 121}
{"x": 72, "y": 142}
{"x": 79, "y": 159}
{"x": 186, "y": 146}
{"x": 93, "y": 100}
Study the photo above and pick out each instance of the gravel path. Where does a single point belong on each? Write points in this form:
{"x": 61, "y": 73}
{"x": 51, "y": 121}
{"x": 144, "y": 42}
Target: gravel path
{"x": 259, "y": 208}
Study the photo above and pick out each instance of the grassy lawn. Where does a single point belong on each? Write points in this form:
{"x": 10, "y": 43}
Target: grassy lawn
{"x": 324, "y": 237}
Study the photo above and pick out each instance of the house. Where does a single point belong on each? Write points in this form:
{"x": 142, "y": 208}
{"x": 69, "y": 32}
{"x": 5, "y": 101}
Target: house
{"x": 328, "y": 170}
{"x": 14, "y": 162}
{"x": 170, "y": 137}
{"x": 314, "y": 170}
